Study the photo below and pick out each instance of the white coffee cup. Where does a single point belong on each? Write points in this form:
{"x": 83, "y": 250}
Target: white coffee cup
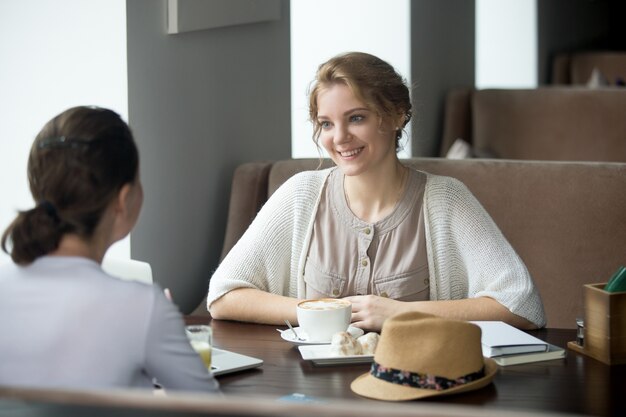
{"x": 321, "y": 319}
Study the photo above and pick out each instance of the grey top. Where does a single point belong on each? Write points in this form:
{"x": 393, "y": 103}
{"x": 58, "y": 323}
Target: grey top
{"x": 65, "y": 323}
{"x": 349, "y": 256}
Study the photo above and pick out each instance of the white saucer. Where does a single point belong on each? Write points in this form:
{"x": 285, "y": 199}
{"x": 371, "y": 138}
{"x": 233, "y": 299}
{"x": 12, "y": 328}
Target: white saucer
{"x": 288, "y": 336}
{"x": 320, "y": 355}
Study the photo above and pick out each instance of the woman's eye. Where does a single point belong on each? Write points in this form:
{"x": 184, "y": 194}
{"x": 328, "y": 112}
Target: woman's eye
{"x": 324, "y": 124}
{"x": 357, "y": 118}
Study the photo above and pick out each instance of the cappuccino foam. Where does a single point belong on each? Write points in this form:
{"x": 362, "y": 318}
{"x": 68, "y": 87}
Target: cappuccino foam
{"x": 324, "y": 304}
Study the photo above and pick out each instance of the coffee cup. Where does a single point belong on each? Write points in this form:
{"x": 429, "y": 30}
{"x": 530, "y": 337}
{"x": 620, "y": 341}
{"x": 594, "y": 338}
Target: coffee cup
{"x": 320, "y": 319}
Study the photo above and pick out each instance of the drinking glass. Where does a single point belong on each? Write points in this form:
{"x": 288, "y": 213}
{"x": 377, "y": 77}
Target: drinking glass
{"x": 200, "y": 337}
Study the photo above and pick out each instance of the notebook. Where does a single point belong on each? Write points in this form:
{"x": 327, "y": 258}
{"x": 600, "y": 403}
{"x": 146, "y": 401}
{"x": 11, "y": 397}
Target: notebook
{"x": 225, "y": 362}
{"x": 553, "y": 352}
{"x": 499, "y": 338}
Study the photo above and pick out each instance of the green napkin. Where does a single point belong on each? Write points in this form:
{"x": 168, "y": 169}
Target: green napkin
{"x": 617, "y": 283}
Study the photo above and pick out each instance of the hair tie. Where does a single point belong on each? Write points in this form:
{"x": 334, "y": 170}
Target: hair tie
{"x": 64, "y": 142}
{"x": 49, "y": 208}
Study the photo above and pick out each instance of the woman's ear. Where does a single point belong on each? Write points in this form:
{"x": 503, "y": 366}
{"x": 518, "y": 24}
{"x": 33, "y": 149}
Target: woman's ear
{"x": 119, "y": 214}
{"x": 400, "y": 121}
{"x": 126, "y": 207}
{"x": 121, "y": 201}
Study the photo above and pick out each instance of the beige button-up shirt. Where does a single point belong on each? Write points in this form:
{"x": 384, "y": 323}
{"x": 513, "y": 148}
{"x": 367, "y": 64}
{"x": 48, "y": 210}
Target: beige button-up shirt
{"x": 348, "y": 256}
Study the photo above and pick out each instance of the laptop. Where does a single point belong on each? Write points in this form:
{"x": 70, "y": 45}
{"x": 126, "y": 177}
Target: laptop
{"x": 226, "y": 362}
{"x": 128, "y": 269}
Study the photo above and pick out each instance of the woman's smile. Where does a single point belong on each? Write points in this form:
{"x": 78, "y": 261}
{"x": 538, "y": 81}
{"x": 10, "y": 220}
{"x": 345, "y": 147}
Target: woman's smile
{"x": 350, "y": 153}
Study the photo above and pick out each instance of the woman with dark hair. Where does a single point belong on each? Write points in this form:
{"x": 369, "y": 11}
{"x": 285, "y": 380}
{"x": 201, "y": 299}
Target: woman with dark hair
{"x": 388, "y": 238}
{"x": 64, "y": 321}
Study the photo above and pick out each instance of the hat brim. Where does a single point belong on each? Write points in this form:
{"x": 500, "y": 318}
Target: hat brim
{"x": 368, "y": 386}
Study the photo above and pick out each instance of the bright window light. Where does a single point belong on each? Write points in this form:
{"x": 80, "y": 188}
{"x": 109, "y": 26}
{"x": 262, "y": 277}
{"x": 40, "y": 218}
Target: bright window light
{"x": 55, "y": 55}
{"x": 506, "y": 44}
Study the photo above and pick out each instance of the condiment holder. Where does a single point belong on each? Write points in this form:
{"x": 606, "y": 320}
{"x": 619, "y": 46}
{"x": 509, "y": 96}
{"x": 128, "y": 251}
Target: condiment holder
{"x": 604, "y": 325}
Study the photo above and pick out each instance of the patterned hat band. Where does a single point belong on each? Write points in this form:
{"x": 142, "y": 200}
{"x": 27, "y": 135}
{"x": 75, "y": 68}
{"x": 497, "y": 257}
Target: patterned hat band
{"x": 425, "y": 381}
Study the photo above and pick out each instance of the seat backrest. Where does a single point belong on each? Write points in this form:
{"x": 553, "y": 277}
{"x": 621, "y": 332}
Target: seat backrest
{"x": 567, "y": 220}
{"x": 556, "y": 123}
{"x": 559, "y": 124}
{"x": 577, "y": 68}
{"x": 36, "y": 402}
{"x": 457, "y": 121}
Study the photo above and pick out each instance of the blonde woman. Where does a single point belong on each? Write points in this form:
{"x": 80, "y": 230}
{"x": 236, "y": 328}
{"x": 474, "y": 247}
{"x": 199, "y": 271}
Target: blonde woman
{"x": 388, "y": 238}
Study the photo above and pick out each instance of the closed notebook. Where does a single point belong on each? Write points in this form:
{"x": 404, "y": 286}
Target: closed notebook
{"x": 553, "y": 352}
{"x": 499, "y": 338}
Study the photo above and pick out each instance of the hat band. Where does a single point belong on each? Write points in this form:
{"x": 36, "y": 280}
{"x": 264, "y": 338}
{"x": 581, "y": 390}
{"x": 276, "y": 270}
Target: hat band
{"x": 426, "y": 381}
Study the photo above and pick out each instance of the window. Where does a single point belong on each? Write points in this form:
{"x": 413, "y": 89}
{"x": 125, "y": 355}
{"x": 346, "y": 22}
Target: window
{"x": 506, "y": 44}
{"x": 55, "y": 55}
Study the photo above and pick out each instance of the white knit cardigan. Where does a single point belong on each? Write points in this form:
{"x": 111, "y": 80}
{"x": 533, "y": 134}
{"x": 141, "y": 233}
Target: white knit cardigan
{"x": 467, "y": 254}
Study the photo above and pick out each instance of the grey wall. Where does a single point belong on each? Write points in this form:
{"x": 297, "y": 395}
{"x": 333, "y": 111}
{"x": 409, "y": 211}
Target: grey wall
{"x": 617, "y": 28}
{"x": 200, "y": 103}
{"x": 442, "y": 57}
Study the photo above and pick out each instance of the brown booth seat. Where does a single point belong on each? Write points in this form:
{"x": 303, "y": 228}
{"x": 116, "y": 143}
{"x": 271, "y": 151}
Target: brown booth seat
{"x": 551, "y": 123}
{"x": 567, "y": 220}
{"x": 577, "y": 68}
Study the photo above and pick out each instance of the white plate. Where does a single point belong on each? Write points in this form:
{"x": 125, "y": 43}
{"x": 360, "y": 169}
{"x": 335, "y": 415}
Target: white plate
{"x": 320, "y": 355}
{"x": 288, "y": 336}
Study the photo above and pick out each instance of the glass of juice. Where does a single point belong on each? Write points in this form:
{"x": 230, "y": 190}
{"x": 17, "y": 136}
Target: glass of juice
{"x": 200, "y": 336}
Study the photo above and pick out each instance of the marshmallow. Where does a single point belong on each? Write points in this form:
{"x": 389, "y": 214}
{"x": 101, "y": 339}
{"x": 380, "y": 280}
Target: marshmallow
{"x": 343, "y": 344}
{"x": 368, "y": 343}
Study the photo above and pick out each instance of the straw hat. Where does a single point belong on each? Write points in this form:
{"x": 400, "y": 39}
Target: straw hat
{"x": 420, "y": 355}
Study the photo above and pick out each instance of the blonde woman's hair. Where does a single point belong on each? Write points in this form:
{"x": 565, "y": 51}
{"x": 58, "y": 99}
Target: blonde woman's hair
{"x": 371, "y": 80}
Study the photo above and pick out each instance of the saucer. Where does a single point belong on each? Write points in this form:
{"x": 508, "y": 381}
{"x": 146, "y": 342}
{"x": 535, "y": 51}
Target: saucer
{"x": 289, "y": 337}
{"x": 320, "y": 355}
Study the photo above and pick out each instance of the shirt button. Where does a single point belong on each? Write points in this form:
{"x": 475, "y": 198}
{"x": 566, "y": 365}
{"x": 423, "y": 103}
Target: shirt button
{"x": 426, "y": 281}
{"x": 364, "y": 262}
{"x": 335, "y": 292}
{"x": 384, "y": 294}
{"x": 367, "y": 231}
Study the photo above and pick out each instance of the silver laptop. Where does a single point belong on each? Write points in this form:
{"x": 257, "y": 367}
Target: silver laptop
{"x": 225, "y": 362}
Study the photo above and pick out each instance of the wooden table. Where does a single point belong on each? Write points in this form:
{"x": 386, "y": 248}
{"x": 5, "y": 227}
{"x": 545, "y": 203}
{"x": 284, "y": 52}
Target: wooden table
{"x": 576, "y": 384}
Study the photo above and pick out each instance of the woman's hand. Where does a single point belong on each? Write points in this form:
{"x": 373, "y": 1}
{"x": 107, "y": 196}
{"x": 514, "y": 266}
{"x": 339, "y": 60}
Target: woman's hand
{"x": 370, "y": 311}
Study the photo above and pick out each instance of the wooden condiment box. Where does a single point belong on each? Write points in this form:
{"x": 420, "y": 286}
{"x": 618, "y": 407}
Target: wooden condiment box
{"x": 605, "y": 325}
